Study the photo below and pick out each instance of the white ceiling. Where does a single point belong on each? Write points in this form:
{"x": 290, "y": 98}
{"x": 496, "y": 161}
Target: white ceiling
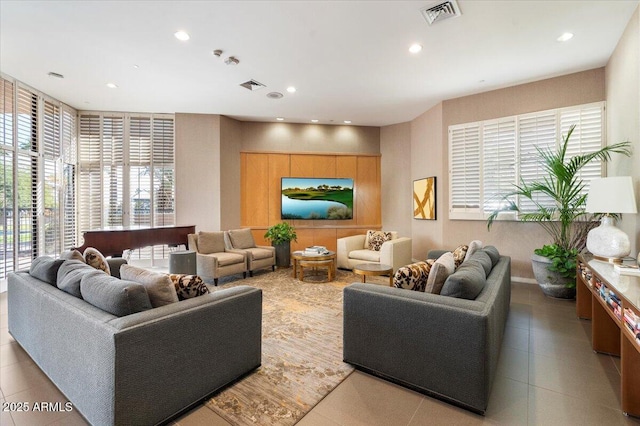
{"x": 349, "y": 60}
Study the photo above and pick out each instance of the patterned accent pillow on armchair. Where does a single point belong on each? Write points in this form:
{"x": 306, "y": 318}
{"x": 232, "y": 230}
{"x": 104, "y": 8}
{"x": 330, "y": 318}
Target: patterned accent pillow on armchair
{"x": 376, "y": 239}
{"x": 413, "y": 276}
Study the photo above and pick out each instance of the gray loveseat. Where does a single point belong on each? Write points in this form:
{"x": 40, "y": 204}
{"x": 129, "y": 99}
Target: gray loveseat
{"x": 138, "y": 369}
{"x": 442, "y": 346}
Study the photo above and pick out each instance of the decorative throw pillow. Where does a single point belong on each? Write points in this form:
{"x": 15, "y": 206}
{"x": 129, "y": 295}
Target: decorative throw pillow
{"x": 241, "y": 238}
{"x": 70, "y": 274}
{"x": 159, "y": 286}
{"x": 72, "y": 255}
{"x": 493, "y": 254}
{"x": 474, "y": 246}
{"x": 376, "y": 239}
{"x": 459, "y": 253}
{"x": 484, "y": 260}
{"x": 466, "y": 282}
{"x": 45, "y": 269}
{"x": 210, "y": 242}
{"x": 118, "y": 297}
{"x": 188, "y": 286}
{"x": 94, "y": 258}
{"x": 440, "y": 271}
{"x": 413, "y": 276}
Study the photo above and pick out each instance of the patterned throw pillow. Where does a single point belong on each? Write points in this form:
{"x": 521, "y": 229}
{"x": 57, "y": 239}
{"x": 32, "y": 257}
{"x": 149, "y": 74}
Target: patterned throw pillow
{"x": 459, "y": 254}
{"x": 188, "y": 286}
{"x": 413, "y": 276}
{"x": 94, "y": 258}
{"x": 377, "y": 238}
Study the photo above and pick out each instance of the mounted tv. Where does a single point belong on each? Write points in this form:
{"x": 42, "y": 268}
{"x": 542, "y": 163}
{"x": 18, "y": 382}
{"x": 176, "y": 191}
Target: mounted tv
{"x": 317, "y": 198}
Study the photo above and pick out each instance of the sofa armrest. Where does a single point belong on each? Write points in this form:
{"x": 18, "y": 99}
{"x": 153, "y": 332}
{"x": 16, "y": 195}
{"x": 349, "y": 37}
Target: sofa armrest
{"x": 396, "y": 253}
{"x": 345, "y": 246}
{"x": 175, "y": 355}
{"x": 436, "y": 253}
{"x": 432, "y": 342}
{"x": 270, "y": 248}
{"x": 206, "y": 265}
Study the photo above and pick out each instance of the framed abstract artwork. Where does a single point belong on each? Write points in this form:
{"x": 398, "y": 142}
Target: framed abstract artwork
{"x": 424, "y": 198}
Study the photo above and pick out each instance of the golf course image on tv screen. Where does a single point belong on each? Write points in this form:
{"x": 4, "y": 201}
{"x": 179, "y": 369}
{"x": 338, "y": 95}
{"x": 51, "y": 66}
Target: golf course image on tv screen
{"x": 317, "y": 198}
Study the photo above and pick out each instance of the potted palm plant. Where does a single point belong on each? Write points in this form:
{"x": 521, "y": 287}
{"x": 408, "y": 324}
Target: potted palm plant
{"x": 281, "y": 235}
{"x": 554, "y": 265}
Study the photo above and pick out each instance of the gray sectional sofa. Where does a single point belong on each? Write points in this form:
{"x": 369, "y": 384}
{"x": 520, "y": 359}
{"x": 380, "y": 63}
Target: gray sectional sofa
{"x": 442, "y": 346}
{"x": 137, "y": 369}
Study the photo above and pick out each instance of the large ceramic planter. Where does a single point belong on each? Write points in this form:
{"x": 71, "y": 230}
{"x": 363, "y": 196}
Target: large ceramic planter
{"x": 283, "y": 254}
{"x": 551, "y": 283}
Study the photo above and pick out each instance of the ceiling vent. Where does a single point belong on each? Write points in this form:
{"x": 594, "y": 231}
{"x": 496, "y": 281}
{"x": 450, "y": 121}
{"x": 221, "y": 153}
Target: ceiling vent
{"x": 252, "y": 85}
{"x": 440, "y": 11}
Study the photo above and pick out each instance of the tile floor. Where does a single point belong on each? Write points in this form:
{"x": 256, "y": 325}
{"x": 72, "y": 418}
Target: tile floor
{"x": 547, "y": 375}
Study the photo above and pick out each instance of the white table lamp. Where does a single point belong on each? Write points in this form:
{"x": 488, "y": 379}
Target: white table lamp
{"x": 610, "y": 195}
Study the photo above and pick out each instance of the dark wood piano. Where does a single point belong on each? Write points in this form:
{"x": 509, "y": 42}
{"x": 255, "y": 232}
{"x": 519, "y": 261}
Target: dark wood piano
{"x": 112, "y": 242}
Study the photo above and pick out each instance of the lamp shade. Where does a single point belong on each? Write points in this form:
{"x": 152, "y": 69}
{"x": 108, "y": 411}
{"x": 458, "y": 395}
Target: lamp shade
{"x": 611, "y": 195}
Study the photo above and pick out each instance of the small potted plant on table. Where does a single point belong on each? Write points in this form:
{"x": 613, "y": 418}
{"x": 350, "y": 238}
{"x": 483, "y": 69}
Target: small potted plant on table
{"x": 281, "y": 235}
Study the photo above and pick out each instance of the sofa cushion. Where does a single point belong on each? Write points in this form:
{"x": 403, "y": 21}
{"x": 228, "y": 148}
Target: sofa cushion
{"x": 227, "y": 258}
{"x": 72, "y": 255}
{"x": 258, "y": 253}
{"x": 367, "y": 255}
{"x": 210, "y": 242}
{"x": 375, "y": 239}
{"x": 459, "y": 254}
{"x": 241, "y": 238}
{"x": 118, "y": 297}
{"x": 440, "y": 271}
{"x": 466, "y": 282}
{"x": 413, "y": 276}
{"x": 45, "y": 269}
{"x": 94, "y": 258}
{"x": 70, "y": 274}
{"x": 159, "y": 287}
{"x": 484, "y": 260}
{"x": 188, "y": 286}
{"x": 493, "y": 254}
{"x": 474, "y": 246}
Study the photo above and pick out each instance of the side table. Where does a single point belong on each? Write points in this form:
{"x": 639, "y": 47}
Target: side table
{"x": 374, "y": 269}
{"x": 182, "y": 262}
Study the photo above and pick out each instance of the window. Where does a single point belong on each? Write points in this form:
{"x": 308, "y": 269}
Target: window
{"x": 126, "y": 164}
{"x": 487, "y": 158}
{"x": 37, "y": 134}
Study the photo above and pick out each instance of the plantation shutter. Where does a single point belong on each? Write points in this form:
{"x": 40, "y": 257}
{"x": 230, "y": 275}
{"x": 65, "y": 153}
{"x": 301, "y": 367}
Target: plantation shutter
{"x": 69, "y": 159}
{"x": 6, "y": 113}
{"x": 6, "y": 176}
{"x": 536, "y": 131}
{"x": 89, "y": 180}
{"x": 113, "y": 170}
{"x": 587, "y": 137}
{"x": 464, "y": 182}
{"x": 51, "y": 229}
{"x": 140, "y": 170}
{"x": 499, "y": 161}
{"x": 163, "y": 167}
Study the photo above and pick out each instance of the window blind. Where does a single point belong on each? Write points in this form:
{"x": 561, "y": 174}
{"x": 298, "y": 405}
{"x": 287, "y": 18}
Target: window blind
{"x": 464, "y": 158}
{"x": 499, "y": 160}
{"x": 69, "y": 159}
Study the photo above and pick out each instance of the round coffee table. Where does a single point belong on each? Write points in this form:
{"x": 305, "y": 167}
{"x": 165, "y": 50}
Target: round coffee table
{"x": 374, "y": 269}
{"x": 310, "y": 260}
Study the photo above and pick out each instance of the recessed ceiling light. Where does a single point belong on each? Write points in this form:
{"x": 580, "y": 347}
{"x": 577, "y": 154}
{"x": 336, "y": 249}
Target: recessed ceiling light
{"x": 280, "y": 119}
{"x": 415, "y": 48}
{"x": 136, "y": 66}
{"x": 314, "y": 121}
{"x": 181, "y": 35}
{"x": 347, "y": 121}
{"x": 112, "y": 86}
{"x": 565, "y": 37}
{"x": 291, "y": 89}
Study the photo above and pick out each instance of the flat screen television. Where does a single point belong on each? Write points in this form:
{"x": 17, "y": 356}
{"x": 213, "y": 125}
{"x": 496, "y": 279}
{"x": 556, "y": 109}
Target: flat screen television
{"x": 317, "y": 198}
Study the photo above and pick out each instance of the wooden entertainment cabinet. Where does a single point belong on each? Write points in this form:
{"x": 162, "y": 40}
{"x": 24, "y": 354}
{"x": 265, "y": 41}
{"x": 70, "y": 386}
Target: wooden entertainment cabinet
{"x": 603, "y": 296}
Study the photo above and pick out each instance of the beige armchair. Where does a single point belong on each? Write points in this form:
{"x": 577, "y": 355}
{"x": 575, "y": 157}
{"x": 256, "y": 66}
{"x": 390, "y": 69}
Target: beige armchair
{"x": 241, "y": 240}
{"x": 355, "y": 250}
{"x": 213, "y": 259}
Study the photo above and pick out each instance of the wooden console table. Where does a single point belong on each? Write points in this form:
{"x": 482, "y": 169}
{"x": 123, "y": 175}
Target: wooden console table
{"x": 596, "y": 281}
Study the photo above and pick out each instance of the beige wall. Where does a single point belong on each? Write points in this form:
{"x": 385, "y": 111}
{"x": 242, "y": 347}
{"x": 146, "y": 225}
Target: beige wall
{"x": 286, "y": 137}
{"x": 395, "y": 147}
{"x": 198, "y": 170}
{"x": 622, "y": 78}
{"x": 230, "y": 142}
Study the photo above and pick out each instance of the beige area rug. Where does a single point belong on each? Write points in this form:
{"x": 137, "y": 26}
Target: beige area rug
{"x": 301, "y": 351}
